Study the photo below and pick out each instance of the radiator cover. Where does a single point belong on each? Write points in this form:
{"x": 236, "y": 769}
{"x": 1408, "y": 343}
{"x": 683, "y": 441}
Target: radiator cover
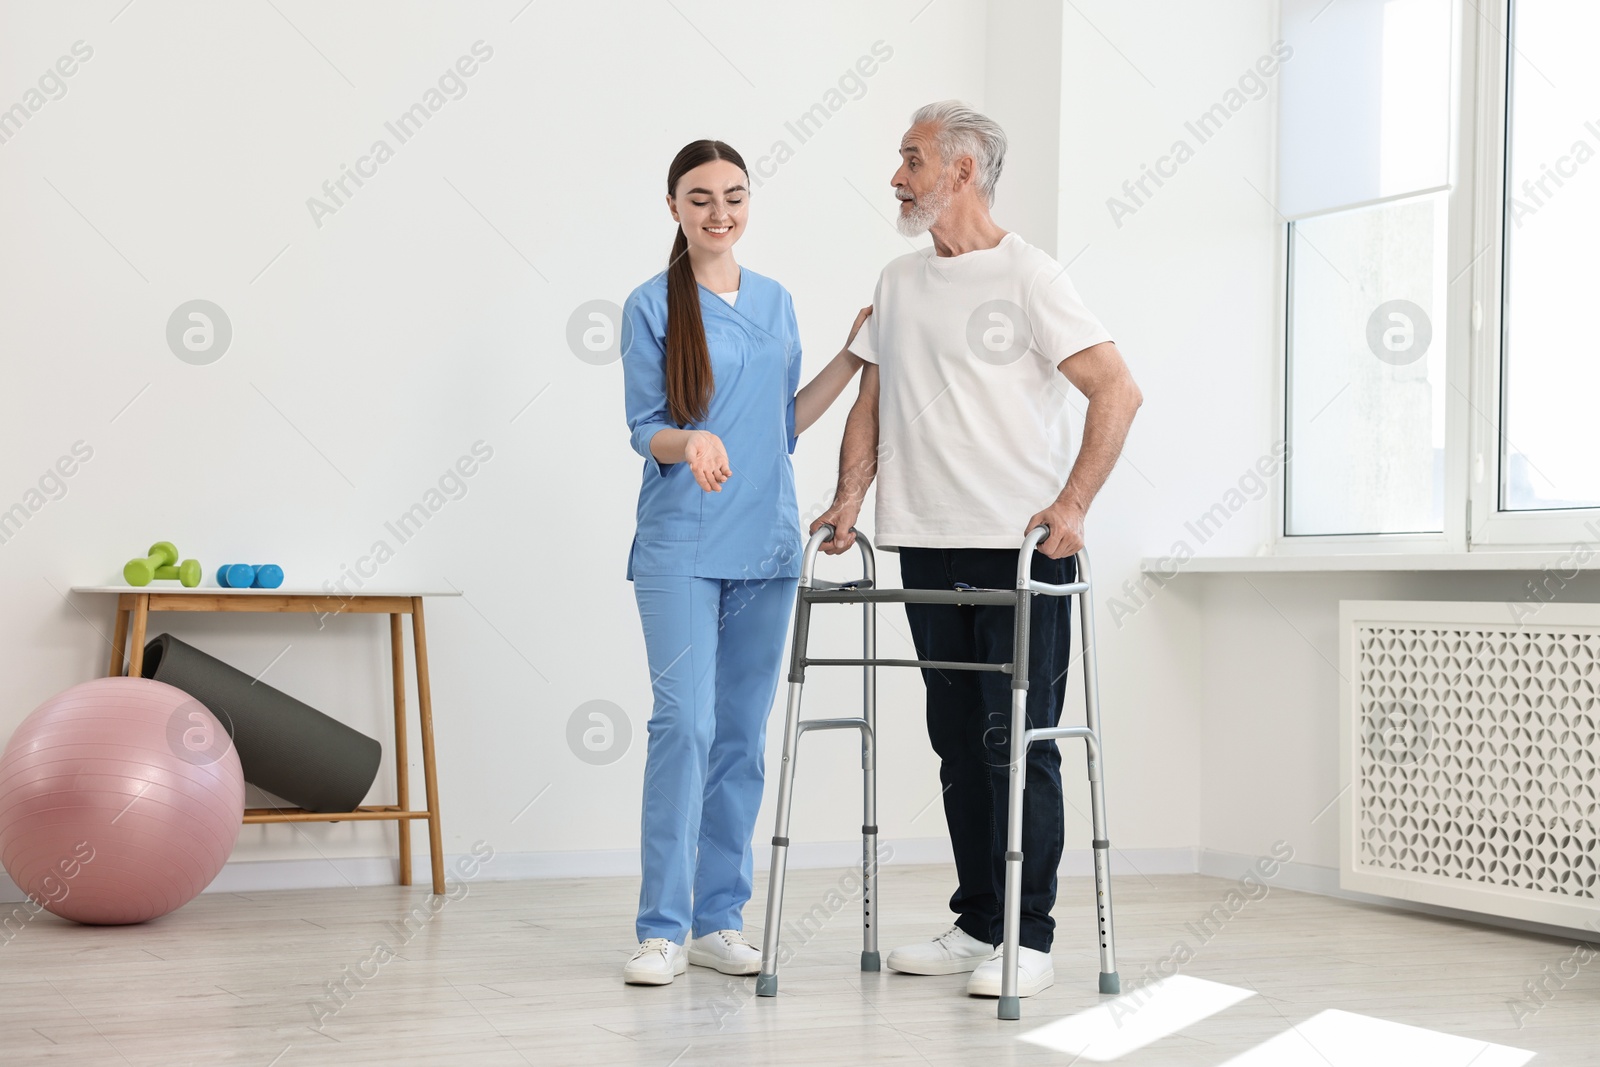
{"x": 1470, "y": 742}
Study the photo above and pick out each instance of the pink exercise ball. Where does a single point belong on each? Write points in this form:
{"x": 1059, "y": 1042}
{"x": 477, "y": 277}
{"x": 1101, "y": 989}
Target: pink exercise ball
{"x": 120, "y": 800}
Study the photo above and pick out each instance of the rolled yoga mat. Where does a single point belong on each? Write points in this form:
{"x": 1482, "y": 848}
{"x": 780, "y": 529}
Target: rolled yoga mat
{"x": 288, "y": 748}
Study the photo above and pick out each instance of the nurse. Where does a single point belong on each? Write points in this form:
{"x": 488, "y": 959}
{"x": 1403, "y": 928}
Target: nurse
{"x": 711, "y": 365}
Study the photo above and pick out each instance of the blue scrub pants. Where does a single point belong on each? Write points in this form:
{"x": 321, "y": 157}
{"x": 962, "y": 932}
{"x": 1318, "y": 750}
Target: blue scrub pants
{"x": 715, "y": 648}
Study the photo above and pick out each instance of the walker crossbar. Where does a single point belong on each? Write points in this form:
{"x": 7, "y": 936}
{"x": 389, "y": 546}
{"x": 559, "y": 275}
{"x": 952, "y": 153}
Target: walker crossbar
{"x": 1061, "y": 733}
{"x": 836, "y": 724}
{"x": 935, "y": 664}
{"x": 818, "y": 584}
{"x": 1004, "y": 597}
{"x": 863, "y": 591}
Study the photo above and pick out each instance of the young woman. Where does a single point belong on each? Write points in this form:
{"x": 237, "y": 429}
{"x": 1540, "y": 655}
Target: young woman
{"x": 711, "y": 361}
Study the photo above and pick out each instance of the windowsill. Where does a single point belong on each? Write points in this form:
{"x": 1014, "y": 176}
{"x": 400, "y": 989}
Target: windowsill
{"x": 1492, "y": 560}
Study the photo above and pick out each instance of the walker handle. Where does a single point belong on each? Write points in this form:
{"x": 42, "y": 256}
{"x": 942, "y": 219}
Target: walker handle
{"x": 821, "y": 536}
{"x": 1030, "y": 545}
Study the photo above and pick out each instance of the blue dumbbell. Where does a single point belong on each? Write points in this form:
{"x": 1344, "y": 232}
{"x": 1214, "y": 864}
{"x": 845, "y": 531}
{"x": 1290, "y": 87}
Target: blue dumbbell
{"x": 236, "y": 575}
{"x": 245, "y": 576}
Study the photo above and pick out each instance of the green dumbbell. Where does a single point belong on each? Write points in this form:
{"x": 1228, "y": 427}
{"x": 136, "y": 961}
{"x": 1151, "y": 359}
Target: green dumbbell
{"x": 187, "y": 572}
{"x": 162, "y": 562}
{"x": 140, "y": 571}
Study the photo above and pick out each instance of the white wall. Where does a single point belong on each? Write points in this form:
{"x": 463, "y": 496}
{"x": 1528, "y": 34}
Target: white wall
{"x": 426, "y": 313}
{"x": 1186, "y": 285}
{"x": 1023, "y": 94}
{"x": 1222, "y": 693}
{"x": 1271, "y": 692}
{"x": 418, "y": 319}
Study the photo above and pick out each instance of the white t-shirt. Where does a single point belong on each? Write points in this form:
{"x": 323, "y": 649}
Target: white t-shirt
{"x": 972, "y": 409}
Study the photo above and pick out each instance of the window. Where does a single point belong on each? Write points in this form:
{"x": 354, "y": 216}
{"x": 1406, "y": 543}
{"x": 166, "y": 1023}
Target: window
{"x": 1440, "y": 171}
{"x": 1366, "y": 389}
{"x": 1550, "y": 370}
{"x": 1365, "y": 173}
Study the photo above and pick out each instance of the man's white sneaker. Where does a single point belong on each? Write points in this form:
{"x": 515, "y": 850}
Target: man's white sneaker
{"x": 951, "y": 952}
{"x": 1035, "y": 974}
{"x": 726, "y": 951}
{"x": 657, "y": 962}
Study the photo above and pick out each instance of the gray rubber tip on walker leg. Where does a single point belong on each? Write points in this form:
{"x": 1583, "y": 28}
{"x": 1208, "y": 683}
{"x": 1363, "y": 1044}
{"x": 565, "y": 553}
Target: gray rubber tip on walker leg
{"x": 1010, "y": 1008}
{"x": 870, "y": 961}
{"x": 1110, "y": 983}
{"x": 766, "y": 985}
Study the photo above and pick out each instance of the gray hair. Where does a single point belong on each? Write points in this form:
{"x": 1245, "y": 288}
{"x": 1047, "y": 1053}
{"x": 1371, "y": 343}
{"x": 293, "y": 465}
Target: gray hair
{"x": 961, "y": 131}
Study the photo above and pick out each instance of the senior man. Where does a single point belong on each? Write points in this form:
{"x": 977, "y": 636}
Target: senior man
{"x": 969, "y": 351}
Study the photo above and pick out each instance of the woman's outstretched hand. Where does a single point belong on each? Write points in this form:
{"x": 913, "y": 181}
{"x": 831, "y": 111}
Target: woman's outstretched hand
{"x": 707, "y": 459}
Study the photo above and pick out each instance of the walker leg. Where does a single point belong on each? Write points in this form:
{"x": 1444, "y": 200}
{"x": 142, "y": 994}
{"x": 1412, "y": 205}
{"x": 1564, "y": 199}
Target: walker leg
{"x": 1017, "y": 781}
{"x": 1010, "y": 1002}
{"x": 1109, "y": 980}
{"x": 767, "y": 980}
{"x": 870, "y": 960}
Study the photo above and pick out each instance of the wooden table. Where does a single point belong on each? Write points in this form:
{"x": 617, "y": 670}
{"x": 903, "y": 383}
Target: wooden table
{"x": 134, "y": 604}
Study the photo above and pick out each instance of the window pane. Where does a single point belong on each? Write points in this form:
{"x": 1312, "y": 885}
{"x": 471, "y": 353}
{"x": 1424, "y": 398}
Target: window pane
{"x": 1366, "y": 370}
{"x": 1550, "y": 374}
{"x": 1364, "y": 104}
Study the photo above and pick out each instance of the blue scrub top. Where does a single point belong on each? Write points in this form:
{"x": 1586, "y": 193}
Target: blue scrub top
{"x": 751, "y": 529}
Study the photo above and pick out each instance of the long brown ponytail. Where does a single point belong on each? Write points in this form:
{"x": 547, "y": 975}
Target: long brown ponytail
{"x": 689, "y": 381}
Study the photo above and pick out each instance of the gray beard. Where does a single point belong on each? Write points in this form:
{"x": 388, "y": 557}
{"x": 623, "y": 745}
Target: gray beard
{"x": 924, "y": 212}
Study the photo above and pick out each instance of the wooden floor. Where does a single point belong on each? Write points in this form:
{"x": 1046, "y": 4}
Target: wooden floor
{"x": 528, "y": 973}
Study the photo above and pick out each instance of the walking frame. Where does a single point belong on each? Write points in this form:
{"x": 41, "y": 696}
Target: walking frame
{"x": 864, "y": 591}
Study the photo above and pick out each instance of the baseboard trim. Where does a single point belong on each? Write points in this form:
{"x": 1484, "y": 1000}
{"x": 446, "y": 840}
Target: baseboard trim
{"x": 254, "y": 876}
{"x": 1324, "y": 881}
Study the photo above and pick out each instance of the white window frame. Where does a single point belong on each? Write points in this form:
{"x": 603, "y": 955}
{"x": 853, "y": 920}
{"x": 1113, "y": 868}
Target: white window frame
{"x": 1490, "y": 525}
{"x": 1473, "y": 325}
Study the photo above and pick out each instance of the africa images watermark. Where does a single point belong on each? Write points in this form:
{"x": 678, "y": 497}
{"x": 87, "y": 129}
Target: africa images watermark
{"x": 1545, "y": 587}
{"x": 451, "y": 485}
{"x": 353, "y": 979}
{"x": 798, "y": 933}
{"x": 1251, "y": 85}
{"x": 1251, "y": 888}
{"x": 599, "y": 732}
{"x": 52, "y": 85}
{"x": 451, "y": 85}
{"x": 852, "y": 85}
{"x": 594, "y": 330}
{"x": 52, "y": 890}
{"x": 788, "y": 550}
{"x": 51, "y": 485}
{"x": 1537, "y": 992}
{"x": 1253, "y": 484}
{"x": 199, "y": 332}
{"x": 1536, "y": 192}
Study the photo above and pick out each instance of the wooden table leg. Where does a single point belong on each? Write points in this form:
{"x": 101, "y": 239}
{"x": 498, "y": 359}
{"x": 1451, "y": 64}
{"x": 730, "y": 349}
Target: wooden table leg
{"x": 141, "y": 622}
{"x": 419, "y": 637}
{"x": 401, "y": 763}
{"x": 119, "y": 639}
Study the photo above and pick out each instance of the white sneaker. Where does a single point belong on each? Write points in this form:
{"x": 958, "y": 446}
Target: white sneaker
{"x": 951, "y": 952}
{"x": 726, "y": 951}
{"x": 657, "y": 962}
{"x": 1035, "y": 974}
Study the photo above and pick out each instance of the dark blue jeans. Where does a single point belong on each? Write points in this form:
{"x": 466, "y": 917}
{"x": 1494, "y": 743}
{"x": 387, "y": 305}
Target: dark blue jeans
{"x": 969, "y": 724}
